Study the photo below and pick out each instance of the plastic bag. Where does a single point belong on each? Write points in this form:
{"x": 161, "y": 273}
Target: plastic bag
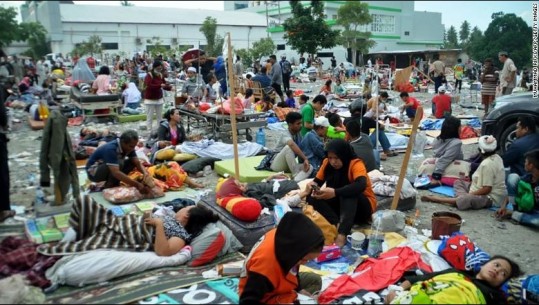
{"x": 388, "y": 221}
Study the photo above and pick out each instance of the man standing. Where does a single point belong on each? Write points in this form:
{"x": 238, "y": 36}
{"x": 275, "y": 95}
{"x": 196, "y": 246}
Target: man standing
{"x": 204, "y": 63}
{"x": 459, "y": 73}
{"x": 439, "y": 73}
{"x": 276, "y": 75}
{"x": 286, "y": 67}
{"x": 508, "y": 75}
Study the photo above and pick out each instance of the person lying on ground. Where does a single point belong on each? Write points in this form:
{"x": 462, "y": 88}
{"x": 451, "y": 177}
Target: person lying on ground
{"x": 447, "y": 148}
{"x": 348, "y": 197}
{"x": 271, "y": 274}
{"x": 530, "y": 217}
{"x": 113, "y": 161}
{"x": 487, "y": 187}
{"x": 453, "y": 286}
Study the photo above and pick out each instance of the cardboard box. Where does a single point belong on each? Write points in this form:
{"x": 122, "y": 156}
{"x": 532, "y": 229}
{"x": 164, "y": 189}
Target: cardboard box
{"x": 329, "y": 253}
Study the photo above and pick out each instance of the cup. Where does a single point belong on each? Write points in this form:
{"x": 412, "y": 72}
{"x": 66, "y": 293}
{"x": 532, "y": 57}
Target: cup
{"x": 356, "y": 240}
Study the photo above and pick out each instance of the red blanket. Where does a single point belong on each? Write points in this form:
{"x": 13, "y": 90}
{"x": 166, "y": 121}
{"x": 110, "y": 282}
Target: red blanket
{"x": 20, "y": 256}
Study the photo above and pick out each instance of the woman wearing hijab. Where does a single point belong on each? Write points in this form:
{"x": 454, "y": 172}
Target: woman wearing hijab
{"x": 348, "y": 197}
{"x": 270, "y": 274}
{"x": 82, "y": 72}
{"x": 131, "y": 96}
{"x": 154, "y": 82}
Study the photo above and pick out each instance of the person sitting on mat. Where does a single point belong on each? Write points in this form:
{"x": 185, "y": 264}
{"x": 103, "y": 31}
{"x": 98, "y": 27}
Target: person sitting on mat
{"x": 453, "y": 286}
{"x": 270, "y": 274}
{"x": 348, "y": 197}
{"x": 113, "y": 161}
{"x": 487, "y": 187}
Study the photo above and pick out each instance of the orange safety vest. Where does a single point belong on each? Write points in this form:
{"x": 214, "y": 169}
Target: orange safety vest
{"x": 262, "y": 260}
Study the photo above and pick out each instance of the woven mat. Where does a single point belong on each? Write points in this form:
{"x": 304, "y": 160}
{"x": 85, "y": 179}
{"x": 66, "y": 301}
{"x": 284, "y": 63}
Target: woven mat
{"x": 138, "y": 286}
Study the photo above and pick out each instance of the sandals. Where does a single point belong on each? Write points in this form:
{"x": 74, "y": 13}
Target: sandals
{"x": 391, "y": 153}
{"x": 6, "y": 214}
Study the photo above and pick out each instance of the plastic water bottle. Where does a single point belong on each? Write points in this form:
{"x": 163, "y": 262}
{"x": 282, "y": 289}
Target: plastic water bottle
{"x": 40, "y": 197}
{"x": 261, "y": 137}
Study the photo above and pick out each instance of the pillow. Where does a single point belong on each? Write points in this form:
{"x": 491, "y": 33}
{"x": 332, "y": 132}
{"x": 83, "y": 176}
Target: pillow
{"x": 232, "y": 244}
{"x": 165, "y": 154}
{"x": 207, "y": 245}
{"x": 227, "y": 188}
{"x": 182, "y": 157}
{"x": 243, "y": 208}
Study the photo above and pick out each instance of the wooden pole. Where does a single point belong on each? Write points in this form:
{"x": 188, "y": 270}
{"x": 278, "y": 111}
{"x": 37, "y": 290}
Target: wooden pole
{"x": 232, "y": 108}
{"x": 423, "y": 74}
{"x": 402, "y": 175}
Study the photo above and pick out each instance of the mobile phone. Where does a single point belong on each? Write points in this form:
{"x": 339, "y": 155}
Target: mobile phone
{"x": 315, "y": 188}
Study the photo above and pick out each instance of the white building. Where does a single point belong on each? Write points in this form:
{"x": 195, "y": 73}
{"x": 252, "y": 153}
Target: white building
{"x": 396, "y": 26}
{"x": 134, "y": 28}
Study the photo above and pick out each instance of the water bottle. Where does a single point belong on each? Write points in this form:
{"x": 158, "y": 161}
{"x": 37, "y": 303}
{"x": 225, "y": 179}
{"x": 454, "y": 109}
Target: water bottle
{"x": 31, "y": 179}
{"x": 40, "y": 197}
{"x": 261, "y": 137}
{"x": 376, "y": 238}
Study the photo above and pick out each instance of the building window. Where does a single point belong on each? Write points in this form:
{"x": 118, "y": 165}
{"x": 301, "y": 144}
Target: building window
{"x": 109, "y": 46}
{"x": 380, "y": 24}
{"x": 281, "y": 47}
{"x": 239, "y": 6}
{"x": 406, "y": 33}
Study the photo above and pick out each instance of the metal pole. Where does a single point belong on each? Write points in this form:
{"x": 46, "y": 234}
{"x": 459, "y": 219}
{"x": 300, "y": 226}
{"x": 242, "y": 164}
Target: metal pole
{"x": 267, "y": 20}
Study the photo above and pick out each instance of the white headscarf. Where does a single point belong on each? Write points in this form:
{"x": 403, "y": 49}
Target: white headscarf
{"x": 132, "y": 94}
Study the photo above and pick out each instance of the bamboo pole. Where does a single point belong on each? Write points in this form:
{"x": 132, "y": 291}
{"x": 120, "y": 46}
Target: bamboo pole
{"x": 232, "y": 108}
{"x": 402, "y": 175}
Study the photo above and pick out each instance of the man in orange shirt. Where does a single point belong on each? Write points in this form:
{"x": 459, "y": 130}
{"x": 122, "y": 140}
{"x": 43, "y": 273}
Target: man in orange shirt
{"x": 441, "y": 104}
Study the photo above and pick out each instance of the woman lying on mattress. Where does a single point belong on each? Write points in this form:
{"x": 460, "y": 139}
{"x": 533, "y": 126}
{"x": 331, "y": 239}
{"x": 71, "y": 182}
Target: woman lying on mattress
{"x": 457, "y": 287}
{"x": 95, "y": 227}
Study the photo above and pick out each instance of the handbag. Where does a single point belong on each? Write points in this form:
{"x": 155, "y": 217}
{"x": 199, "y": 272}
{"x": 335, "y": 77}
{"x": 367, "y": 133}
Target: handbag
{"x": 329, "y": 230}
{"x": 265, "y": 164}
{"x": 445, "y": 223}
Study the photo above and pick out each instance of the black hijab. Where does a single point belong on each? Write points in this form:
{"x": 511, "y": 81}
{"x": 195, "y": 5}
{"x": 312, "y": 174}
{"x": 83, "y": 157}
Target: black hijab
{"x": 345, "y": 152}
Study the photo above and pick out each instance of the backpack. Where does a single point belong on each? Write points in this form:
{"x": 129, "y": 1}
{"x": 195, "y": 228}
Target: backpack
{"x": 286, "y": 67}
{"x": 525, "y": 198}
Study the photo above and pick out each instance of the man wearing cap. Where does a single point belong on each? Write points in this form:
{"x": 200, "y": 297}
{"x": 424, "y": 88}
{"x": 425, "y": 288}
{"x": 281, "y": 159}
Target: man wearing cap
{"x": 508, "y": 74}
{"x": 487, "y": 187}
{"x": 441, "y": 104}
{"x": 312, "y": 144}
{"x": 194, "y": 85}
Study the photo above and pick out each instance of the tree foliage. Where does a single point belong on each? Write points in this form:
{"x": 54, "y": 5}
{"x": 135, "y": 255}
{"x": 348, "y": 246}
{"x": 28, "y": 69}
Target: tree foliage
{"x": 509, "y": 33}
{"x": 90, "y": 47}
{"x": 464, "y": 32}
{"x": 126, "y": 3}
{"x": 263, "y": 47}
{"x": 451, "y": 39}
{"x": 36, "y": 36}
{"x": 10, "y": 28}
{"x": 214, "y": 41}
{"x": 306, "y": 31}
{"x": 475, "y": 41}
{"x": 351, "y": 16}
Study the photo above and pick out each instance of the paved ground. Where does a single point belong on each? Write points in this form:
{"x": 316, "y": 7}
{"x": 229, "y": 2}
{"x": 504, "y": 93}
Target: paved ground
{"x": 492, "y": 236}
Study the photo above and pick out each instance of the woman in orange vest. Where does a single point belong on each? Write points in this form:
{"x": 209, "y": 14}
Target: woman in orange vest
{"x": 270, "y": 274}
{"x": 348, "y": 197}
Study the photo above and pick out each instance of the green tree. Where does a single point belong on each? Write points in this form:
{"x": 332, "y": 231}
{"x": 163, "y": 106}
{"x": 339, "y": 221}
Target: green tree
{"x": 351, "y": 16}
{"x": 91, "y": 47}
{"x": 263, "y": 47}
{"x": 306, "y": 31}
{"x": 451, "y": 40}
{"x": 36, "y": 36}
{"x": 214, "y": 41}
{"x": 509, "y": 33}
{"x": 126, "y": 3}
{"x": 474, "y": 43}
{"x": 464, "y": 32}
{"x": 10, "y": 27}
{"x": 156, "y": 47}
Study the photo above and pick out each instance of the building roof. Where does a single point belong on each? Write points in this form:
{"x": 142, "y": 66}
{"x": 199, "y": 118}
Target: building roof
{"x": 416, "y": 51}
{"x": 155, "y": 15}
